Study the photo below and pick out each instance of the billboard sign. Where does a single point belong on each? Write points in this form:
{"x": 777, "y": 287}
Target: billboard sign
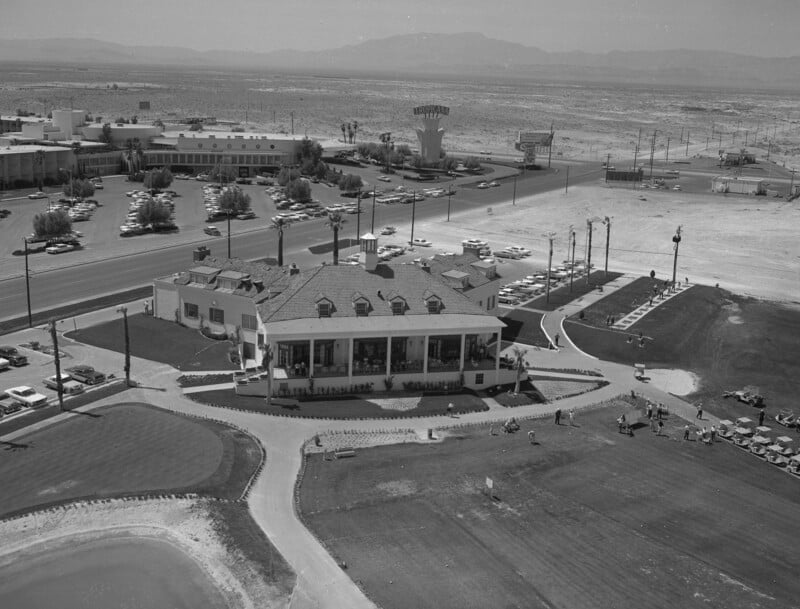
{"x": 432, "y": 110}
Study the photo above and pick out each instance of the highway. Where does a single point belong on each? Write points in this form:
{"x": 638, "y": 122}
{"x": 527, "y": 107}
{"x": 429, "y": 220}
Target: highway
{"x": 71, "y": 284}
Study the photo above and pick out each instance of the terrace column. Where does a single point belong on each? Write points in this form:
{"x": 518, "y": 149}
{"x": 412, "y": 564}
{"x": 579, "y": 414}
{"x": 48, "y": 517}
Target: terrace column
{"x": 461, "y": 359}
{"x": 425, "y": 358}
{"x": 497, "y": 358}
{"x": 311, "y": 359}
{"x": 350, "y": 360}
{"x": 388, "y": 356}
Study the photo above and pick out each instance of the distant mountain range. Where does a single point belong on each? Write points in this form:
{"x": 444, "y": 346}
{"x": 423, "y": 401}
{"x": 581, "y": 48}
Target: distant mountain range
{"x": 453, "y": 55}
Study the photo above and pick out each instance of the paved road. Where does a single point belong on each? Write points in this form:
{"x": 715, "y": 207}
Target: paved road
{"x": 81, "y": 282}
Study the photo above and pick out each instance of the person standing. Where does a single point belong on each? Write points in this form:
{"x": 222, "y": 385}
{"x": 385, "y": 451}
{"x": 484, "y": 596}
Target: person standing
{"x": 649, "y": 411}
{"x": 699, "y": 412}
{"x": 686, "y": 432}
{"x": 556, "y": 339}
{"x": 571, "y": 417}
{"x": 558, "y": 416}
{"x": 660, "y": 411}
{"x": 761, "y": 415}
{"x": 713, "y": 434}
{"x": 660, "y": 427}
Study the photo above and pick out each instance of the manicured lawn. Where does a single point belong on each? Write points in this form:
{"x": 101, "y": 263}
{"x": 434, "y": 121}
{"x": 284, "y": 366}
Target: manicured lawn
{"x": 586, "y": 517}
{"x": 729, "y": 341}
{"x": 357, "y": 407}
{"x": 620, "y": 302}
{"x": 562, "y": 294}
{"x": 125, "y": 449}
{"x": 159, "y": 340}
{"x": 524, "y": 327}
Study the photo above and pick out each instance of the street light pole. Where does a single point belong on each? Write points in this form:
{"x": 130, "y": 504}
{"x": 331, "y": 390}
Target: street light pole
{"x": 572, "y": 268}
{"x": 589, "y": 253}
{"x": 550, "y": 237}
{"x": 676, "y": 239}
{"x": 28, "y": 283}
{"x": 372, "y": 227}
{"x": 124, "y": 311}
{"x": 59, "y": 384}
{"x": 229, "y": 232}
{"x": 413, "y": 214}
{"x": 514, "y": 196}
{"x": 607, "y": 222}
{"x": 358, "y": 215}
{"x": 449, "y": 195}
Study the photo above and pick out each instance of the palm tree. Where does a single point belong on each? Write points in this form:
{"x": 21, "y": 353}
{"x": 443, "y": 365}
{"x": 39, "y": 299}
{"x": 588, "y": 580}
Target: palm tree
{"x": 280, "y": 224}
{"x": 335, "y": 222}
{"x": 519, "y": 365}
{"x": 344, "y": 132}
{"x": 38, "y": 160}
{"x": 355, "y": 130}
{"x": 349, "y": 133}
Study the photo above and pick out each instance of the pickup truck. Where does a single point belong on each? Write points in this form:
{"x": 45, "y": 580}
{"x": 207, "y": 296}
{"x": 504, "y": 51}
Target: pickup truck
{"x": 86, "y": 374}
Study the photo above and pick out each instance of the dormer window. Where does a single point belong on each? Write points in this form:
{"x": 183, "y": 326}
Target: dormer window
{"x": 324, "y": 308}
{"x": 361, "y": 308}
{"x": 433, "y": 305}
{"x": 398, "y": 307}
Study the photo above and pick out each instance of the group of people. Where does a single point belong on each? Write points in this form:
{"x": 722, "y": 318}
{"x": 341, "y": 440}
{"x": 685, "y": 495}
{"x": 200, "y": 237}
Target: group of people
{"x": 570, "y": 414}
{"x": 706, "y": 436}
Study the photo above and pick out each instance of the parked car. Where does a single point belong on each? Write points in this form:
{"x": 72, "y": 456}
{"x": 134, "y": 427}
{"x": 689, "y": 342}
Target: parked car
{"x": 212, "y": 230}
{"x": 494, "y": 183}
{"x": 13, "y": 356}
{"x": 475, "y": 243}
{"x": 4, "y": 364}
{"x": 388, "y": 230}
{"x": 421, "y": 242}
{"x": 246, "y": 215}
{"x": 38, "y": 195}
{"x": 68, "y": 386}
{"x": 483, "y": 185}
{"x": 384, "y": 178}
{"x": 27, "y": 396}
{"x": 59, "y": 248}
{"x": 86, "y": 374}
{"x": 507, "y": 254}
{"x": 519, "y": 249}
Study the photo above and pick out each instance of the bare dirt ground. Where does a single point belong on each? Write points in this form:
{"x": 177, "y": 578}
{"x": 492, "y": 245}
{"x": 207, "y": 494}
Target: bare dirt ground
{"x": 585, "y": 518}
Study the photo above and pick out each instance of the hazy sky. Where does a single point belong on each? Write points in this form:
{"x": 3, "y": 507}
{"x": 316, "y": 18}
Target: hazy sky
{"x": 753, "y": 27}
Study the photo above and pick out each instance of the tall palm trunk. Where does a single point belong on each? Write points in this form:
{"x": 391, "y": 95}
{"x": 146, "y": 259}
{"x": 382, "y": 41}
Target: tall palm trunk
{"x": 335, "y": 245}
{"x": 280, "y": 248}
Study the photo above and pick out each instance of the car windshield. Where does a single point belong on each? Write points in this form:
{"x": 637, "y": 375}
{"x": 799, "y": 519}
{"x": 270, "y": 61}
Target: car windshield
{"x": 26, "y": 391}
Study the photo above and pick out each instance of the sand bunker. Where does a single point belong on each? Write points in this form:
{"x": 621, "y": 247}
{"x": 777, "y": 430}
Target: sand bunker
{"x": 676, "y": 382}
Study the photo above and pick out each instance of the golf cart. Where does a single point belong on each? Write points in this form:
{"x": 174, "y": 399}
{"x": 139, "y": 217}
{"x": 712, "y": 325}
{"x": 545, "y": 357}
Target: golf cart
{"x": 786, "y": 418}
{"x": 749, "y": 395}
{"x": 726, "y": 430}
{"x": 760, "y": 441}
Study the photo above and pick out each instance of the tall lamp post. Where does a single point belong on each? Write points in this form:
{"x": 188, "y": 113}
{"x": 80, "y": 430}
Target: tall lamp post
{"x": 550, "y": 237}
{"x": 27, "y": 283}
{"x": 449, "y": 195}
{"x": 372, "y": 227}
{"x": 589, "y": 223}
{"x": 229, "y": 232}
{"x": 676, "y": 239}
{"x": 413, "y": 214}
{"x": 607, "y": 222}
{"x": 572, "y": 268}
{"x": 57, "y": 359}
{"x": 358, "y": 215}
{"x": 514, "y": 196}
{"x": 124, "y": 311}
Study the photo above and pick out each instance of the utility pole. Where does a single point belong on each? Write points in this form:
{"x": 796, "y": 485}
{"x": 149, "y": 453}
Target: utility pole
{"x": 769, "y": 148}
{"x": 28, "y": 283}
{"x": 550, "y": 236}
{"x": 608, "y": 162}
{"x": 229, "y": 233}
{"x": 550, "y": 148}
{"x": 791, "y": 184}
{"x": 652, "y": 153}
{"x": 676, "y": 239}
{"x": 413, "y": 214}
{"x": 292, "y": 114}
{"x": 687, "y": 143}
{"x": 681, "y": 140}
{"x": 514, "y": 195}
{"x": 566, "y": 184}
{"x": 358, "y": 216}
{"x": 589, "y": 251}
{"x": 124, "y": 311}
{"x": 572, "y": 268}
{"x": 666, "y": 160}
{"x": 59, "y": 384}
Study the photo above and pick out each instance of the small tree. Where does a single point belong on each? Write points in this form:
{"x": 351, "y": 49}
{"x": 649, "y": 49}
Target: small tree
{"x": 52, "y": 225}
{"x": 222, "y": 174}
{"x": 195, "y": 127}
{"x": 158, "y": 179}
{"x": 79, "y": 188}
{"x": 299, "y": 190}
{"x": 472, "y": 163}
{"x": 233, "y": 201}
{"x": 155, "y": 213}
{"x": 309, "y": 151}
{"x": 519, "y": 365}
{"x": 335, "y": 222}
{"x": 350, "y": 183}
{"x": 286, "y": 175}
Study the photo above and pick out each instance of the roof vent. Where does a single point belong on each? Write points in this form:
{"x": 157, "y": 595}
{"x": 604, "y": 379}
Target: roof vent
{"x": 293, "y": 270}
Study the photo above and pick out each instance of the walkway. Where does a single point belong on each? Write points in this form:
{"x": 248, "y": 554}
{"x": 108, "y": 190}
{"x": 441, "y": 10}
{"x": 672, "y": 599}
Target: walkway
{"x": 320, "y": 580}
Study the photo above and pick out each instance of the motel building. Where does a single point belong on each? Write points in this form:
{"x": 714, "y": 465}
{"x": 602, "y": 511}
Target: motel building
{"x": 339, "y": 325}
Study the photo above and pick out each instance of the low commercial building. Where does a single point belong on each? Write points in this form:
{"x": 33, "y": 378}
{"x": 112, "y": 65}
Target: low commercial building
{"x": 739, "y": 184}
{"x": 339, "y": 326}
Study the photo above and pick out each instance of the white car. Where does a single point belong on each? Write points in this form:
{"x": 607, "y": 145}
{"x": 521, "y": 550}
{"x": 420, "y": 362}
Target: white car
{"x": 676, "y": 187}
{"x": 68, "y": 386}
{"x": 483, "y": 185}
{"x": 519, "y": 250}
{"x": 59, "y": 248}
{"x": 26, "y": 396}
{"x": 494, "y": 183}
{"x": 388, "y": 230}
{"x": 475, "y": 243}
{"x": 506, "y": 253}
{"x": 384, "y": 179}
{"x": 421, "y": 242}
{"x": 38, "y": 195}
